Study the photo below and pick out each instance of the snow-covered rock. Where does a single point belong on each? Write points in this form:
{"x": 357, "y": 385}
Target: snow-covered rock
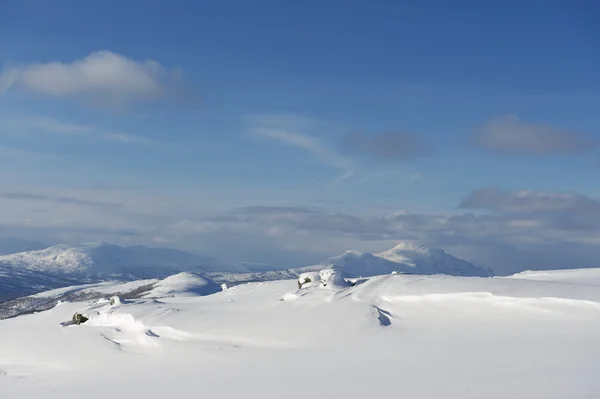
{"x": 309, "y": 279}
{"x": 332, "y": 278}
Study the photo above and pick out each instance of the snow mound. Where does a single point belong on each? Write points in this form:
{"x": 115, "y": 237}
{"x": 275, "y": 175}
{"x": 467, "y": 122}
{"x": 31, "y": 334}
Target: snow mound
{"x": 184, "y": 284}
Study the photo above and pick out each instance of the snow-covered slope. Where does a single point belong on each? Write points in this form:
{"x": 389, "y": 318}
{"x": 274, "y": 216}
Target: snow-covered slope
{"x": 92, "y": 259}
{"x": 421, "y": 337}
{"x": 407, "y": 257}
{"x": 57, "y": 266}
{"x": 181, "y": 285}
{"x": 16, "y": 282}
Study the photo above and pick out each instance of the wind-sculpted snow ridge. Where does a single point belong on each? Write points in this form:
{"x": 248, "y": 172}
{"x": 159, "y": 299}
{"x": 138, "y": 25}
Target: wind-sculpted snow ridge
{"x": 477, "y": 338}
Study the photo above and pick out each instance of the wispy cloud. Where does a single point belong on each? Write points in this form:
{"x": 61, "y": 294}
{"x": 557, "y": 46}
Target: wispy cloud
{"x": 101, "y": 76}
{"x": 23, "y": 196}
{"x": 13, "y": 154}
{"x": 49, "y": 125}
{"x": 309, "y": 144}
{"x": 510, "y": 135}
{"x": 127, "y": 138}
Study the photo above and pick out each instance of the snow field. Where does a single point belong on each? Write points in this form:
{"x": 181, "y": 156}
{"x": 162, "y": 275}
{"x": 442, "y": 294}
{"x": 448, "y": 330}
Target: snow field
{"x": 389, "y": 336}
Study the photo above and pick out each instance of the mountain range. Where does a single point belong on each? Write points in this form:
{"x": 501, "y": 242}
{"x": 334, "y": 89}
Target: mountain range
{"x": 408, "y": 257}
{"x": 25, "y": 273}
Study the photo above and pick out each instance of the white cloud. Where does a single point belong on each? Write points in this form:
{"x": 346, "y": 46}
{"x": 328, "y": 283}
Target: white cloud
{"x": 103, "y": 75}
{"x": 309, "y": 144}
{"x": 523, "y": 231}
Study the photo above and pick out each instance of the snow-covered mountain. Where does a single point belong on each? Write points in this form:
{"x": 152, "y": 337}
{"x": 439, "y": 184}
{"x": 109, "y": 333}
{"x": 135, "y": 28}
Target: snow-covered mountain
{"x": 407, "y": 257}
{"x": 29, "y": 272}
{"x": 410, "y": 257}
{"x": 102, "y": 259}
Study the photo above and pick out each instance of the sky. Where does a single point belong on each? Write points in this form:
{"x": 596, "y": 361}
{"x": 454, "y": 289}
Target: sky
{"x": 287, "y": 132}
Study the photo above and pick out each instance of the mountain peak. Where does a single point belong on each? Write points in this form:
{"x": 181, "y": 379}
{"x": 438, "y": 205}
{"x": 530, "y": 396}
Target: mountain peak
{"x": 411, "y": 245}
{"x": 408, "y": 256}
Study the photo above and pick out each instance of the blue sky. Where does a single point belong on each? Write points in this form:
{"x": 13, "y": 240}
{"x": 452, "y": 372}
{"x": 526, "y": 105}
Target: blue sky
{"x": 188, "y": 116}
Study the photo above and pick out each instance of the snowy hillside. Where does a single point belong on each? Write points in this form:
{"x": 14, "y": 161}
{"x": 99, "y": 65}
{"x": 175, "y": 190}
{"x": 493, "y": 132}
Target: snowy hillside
{"x": 30, "y": 272}
{"x": 390, "y": 336}
{"x": 182, "y": 284}
{"x": 16, "y": 282}
{"x": 92, "y": 259}
{"x": 407, "y": 257}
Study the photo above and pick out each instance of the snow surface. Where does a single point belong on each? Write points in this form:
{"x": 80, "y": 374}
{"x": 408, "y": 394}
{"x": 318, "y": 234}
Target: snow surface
{"x": 409, "y": 336}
